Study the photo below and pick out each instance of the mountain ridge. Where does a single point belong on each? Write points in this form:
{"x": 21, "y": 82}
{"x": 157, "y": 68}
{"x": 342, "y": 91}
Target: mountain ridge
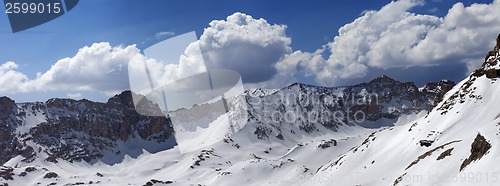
{"x": 13, "y": 114}
{"x": 430, "y": 136}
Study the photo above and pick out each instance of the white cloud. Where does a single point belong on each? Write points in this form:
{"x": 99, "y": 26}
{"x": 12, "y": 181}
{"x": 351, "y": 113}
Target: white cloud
{"x": 247, "y": 45}
{"x": 10, "y": 79}
{"x": 164, "y": 34}
{"x": 389, "y": 38}
{"x": 392, "y": 37}
{"x": 310, "y": 64}
{"x": 74, "y": 95}
{"x": 99, "y": 67}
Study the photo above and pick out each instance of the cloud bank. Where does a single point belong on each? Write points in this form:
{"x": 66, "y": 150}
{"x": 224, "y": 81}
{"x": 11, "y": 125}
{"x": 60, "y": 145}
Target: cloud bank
{"x": 391, "y": 39}
{"x": 394, "y": 38}
{"x": 247, "y": 45}
{"x": 99, "y": 67}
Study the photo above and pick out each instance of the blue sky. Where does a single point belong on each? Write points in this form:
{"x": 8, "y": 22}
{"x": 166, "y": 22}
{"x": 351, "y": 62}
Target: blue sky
{"x": 309, "y": 25}
{"x": 126, "y": 22}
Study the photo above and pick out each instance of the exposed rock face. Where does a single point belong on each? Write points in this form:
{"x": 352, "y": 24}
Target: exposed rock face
{"x": 498, "y": 43}
{"x": 494, "y": 52}
{"x": 77, "y": 130}
{"x": 479, "y": 148}
{"x": 363, "y": 104}
{"x": 490, "y": 68}
{"x": 9, "y": 143}
{"x": 88, "y": 131}
{"x": 435, "y": 91}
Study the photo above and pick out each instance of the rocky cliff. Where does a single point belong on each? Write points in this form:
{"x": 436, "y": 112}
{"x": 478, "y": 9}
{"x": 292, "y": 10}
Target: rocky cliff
{"x": 80, "y": 130}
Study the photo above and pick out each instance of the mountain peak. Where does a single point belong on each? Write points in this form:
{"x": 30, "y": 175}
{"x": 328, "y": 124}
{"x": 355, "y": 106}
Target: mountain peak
{"x": 298, "y": 84}
{"x": 490, "y": 67}
{"x": 384, "y": 79}
{"x": 6, "y": 106}
{"x": 125, "y": 97}
{"x": 498, "y": 41}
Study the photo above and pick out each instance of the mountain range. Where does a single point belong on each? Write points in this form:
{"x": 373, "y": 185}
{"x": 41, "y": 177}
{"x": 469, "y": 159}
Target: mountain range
{"x": 382, "y": 132}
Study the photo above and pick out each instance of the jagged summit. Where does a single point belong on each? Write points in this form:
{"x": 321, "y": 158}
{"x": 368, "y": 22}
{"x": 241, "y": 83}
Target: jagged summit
{"x": 299, "y": 84}
{"x": 125, "y": 97}
{"x": 491, "y": 66}
{"x": 384, "y": 79}
{"x": 79, "y": 130}
{"x": 259, "y": 92}
{"x": 289, "y": 138}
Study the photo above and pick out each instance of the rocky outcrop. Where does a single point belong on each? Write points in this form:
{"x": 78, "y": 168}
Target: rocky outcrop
{"x": 77, "y": 130}
{"x": 71, "y": 130}
{"x": 490, "y": 68}
{"x": 304, "y": 107}
{"x": 494, "y": 52}
{"x": 9, "y": 143}
{"x": 479, "y": 148}
{"x": 7, "y": 106}
{"x": 498, "y": 43}
{"x": 435, "y": 91}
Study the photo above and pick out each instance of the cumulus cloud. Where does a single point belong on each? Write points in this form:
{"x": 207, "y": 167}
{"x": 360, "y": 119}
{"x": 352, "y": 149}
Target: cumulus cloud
{"x": 99, "y": 67}
{"x": 394, "y": 38}
{"x": 298, "y": 62}
{"x": 10, "y": 79}
{"x": 250, "y": 46}
{"x": 378, "y": 41}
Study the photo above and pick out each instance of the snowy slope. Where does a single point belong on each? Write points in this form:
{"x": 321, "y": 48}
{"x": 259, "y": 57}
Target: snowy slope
{"x": 65, "y": 129}
{"x": 256, "y": 155}
{"x": 263, "y": 152}
{"x": 455, "y": 143}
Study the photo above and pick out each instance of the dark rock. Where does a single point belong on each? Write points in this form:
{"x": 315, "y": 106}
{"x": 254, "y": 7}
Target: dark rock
{"x": 435, "y": 91}
{"x": 426, "y": 143}
{"x": 490, "y": 53}
{"x": 7, "y": 106}
{"x": 30, "y": 169}
{"x": 428, "y": 153}
{"x": 51, "y": 175}
{"x": 6, "y": 173}
{"x": 492, "y": 73}
{"x": 23, "y": 174}
{"x": 445, "y": 154}
{"x": 498, "y": 43}
{"x": 384, "y": 80}
{"x": 153, "y": 182}
{"x": 479, "y": 148}
{"x": 74, "y": 127}
{"x": 280, "y": 136}
{"x": 327, "y": 144}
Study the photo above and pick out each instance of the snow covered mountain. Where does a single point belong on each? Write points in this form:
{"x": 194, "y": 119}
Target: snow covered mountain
{"x": 454, "y": 144}
{"x": 65, "y": 129}
{"x": 383, "y": 132}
